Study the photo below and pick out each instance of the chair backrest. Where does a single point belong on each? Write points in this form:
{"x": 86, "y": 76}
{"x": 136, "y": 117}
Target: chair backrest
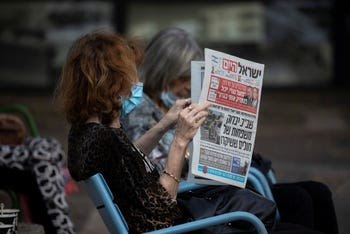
{"x": 254, "y": 181}
{"x": 102, "y": 198}
{"x": 271, "y": 177}
{"x": 262, "y": 180}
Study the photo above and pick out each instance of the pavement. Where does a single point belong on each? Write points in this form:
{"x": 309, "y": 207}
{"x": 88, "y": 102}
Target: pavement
{"x": 306, "y": 134}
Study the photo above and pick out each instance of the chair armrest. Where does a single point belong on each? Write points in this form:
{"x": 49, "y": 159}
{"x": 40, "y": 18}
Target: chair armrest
{"x": 219, "y": 219}
{"x": 185, "y": 186}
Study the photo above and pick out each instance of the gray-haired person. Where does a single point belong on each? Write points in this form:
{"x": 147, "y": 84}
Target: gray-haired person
{"x": 166, "y": 77}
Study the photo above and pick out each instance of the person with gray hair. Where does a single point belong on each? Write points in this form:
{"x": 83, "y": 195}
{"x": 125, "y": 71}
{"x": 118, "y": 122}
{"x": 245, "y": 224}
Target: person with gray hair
{"x": 168, "y": 57}
{"x": 166, "y": 77}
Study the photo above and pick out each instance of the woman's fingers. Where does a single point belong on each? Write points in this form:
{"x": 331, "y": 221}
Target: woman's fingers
{"x": 183, "y": 102}
{"x": 197, "y": 106}
{"x": 195, "y": 114}
{"x": 200, "y": 115}
{"x": 193, "y": 109}
{"x": 172, "y": 115}
{"x": 190, "y": 119}
{"x": 198, "y": 122}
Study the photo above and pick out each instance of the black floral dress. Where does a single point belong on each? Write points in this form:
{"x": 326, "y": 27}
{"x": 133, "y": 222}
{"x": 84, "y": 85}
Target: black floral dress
{"x": 132, "y": 178}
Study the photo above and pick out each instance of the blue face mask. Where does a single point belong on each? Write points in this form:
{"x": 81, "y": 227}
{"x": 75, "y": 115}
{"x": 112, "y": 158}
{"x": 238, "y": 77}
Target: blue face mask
{"x": 129, "y": 104}
{"x": 168, "y": 99}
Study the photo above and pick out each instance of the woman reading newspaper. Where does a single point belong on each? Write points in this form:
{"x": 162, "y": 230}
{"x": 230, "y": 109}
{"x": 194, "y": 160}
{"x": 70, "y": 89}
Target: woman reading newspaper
{"x": 165, "y": 72}
{"x": 99, "y": 83}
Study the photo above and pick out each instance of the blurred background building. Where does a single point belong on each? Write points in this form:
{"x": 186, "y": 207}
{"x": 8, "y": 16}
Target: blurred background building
{"x": 304, "y": 116}
{"x": 304, "y": 34}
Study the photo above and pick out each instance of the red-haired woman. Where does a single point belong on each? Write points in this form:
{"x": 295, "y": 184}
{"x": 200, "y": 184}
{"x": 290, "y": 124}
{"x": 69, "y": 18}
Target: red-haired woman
{"x": 98, "y": 84}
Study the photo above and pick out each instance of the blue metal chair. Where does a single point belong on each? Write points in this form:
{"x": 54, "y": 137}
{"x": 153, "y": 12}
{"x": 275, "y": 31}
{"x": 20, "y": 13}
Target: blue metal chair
{"x": 102, "y": 198}
{"x": 185, "y": 186}
{"x": 261, "y": 179}
{"x": 254, "y": 181}
{"x": 271, "y": 177}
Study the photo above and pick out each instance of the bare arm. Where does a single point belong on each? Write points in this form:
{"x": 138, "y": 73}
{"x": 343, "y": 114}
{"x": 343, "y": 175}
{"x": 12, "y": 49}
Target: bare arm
{"x": 187, "y": 126}
{"x": 150, "y": 139}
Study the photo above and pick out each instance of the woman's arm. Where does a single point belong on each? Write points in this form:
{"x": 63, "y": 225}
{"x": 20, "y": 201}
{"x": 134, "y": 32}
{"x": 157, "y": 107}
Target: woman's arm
{"x": 150, "y": 139}
{"x": 188, "y": 123}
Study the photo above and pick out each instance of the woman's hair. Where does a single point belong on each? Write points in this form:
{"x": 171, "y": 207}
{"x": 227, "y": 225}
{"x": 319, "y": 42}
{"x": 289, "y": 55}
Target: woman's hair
{"x": 168, "y": 57}
{"x": 99, "y": 69}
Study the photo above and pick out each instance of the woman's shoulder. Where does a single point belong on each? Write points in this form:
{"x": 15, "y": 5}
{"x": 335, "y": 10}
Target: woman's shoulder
{"x": 90, "y": 131}
{"x": 88, "y": 138}
{"x": 88, "y": 144}
{"x": 94, "y": 135}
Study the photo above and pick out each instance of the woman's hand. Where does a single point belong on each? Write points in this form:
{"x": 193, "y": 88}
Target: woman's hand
{"x": 172, "y": 115}
{"x": 150, "y": 139}
{"x": 189, "y": 121}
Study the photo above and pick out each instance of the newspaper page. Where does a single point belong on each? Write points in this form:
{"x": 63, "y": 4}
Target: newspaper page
{"x": 197, "y": 77}
{"x": 223, "y": 146}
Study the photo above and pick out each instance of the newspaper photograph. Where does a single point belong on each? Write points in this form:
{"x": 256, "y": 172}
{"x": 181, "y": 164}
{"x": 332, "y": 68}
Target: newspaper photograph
{"x": 222, "y": 148}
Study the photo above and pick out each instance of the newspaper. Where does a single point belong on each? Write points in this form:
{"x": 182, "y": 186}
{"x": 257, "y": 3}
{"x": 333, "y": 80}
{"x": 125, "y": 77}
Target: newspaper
{"x": 222, "y": 148}
{"x": 197, "y": 78}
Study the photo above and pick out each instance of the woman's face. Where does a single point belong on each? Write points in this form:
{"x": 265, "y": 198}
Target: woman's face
{"x": 181, "y": 87}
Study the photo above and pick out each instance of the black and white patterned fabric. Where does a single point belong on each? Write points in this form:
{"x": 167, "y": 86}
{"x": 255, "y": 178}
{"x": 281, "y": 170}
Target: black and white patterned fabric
{"x": 44, "y": 157}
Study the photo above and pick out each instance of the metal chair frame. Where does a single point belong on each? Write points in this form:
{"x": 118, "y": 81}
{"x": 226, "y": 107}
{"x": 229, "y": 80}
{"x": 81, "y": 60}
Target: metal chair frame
{"x": 102, "y": 198}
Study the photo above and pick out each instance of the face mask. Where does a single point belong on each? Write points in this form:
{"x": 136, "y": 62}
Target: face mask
{"x": 129, "y": 104}
{"x": 168, "y": 99}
